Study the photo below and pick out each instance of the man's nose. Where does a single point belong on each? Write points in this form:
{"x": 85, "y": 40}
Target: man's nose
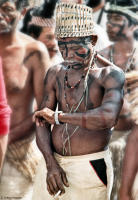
{"x": 70, "y": 54}
{"x": 1, "y": 14}
{"x": 53, "y": 43}
{"x": 109, "y": 24}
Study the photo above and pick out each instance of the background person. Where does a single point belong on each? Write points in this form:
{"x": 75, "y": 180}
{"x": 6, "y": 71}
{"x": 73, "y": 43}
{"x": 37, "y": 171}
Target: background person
{"x": 25, "y": 62}
{"x": 122, "y": 22}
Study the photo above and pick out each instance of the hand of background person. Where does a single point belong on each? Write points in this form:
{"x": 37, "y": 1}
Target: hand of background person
{"x": 56, "y": 179}
{"x": 44, "y": 115}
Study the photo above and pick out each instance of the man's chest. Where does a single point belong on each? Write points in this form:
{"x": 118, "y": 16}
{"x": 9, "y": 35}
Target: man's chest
{"x": 89, "y": 97}
{"x": 16, "y": 72}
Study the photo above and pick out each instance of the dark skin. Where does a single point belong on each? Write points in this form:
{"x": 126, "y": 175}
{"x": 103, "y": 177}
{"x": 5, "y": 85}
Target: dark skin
{"x": 121, "y": 33}
{"x": 105, "y": 97}
{"x": 131, "y": 166}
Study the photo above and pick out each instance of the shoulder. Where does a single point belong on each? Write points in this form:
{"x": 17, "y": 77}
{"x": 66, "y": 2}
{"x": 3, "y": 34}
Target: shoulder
{"x": 53, "y": 72}
{"x": 33, "y": 46}
{"x": 105, "y": 52}
{"x": 103, "y": 57}
{"x": 112, "y": 75}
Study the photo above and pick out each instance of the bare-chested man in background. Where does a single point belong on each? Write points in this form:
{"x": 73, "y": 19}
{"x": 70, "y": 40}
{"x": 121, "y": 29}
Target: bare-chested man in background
{"x": 25, "y": 62}
{"x": 122, "y": 22}
{"x": 89, "y": 100}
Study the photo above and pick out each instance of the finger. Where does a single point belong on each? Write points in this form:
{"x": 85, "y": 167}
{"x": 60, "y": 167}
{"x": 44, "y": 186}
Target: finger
{"x": 54, "y": 184}
{"x": 57, "y": 194}
{"x": 44, "y": 121}
{"x": 33, "y": 118}
{"x": 64, "y": 179}
{"x": 48, "y": 188}
{"x": 41, "y": 124}
{"x": 60, "y": 185}
{"x": 51, "y": 189}
{"x": 37, "y": 122}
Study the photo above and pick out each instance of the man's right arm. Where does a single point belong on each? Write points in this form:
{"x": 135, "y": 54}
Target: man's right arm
{"x": 43, "y": 135}
{"x": 56, "y": 177}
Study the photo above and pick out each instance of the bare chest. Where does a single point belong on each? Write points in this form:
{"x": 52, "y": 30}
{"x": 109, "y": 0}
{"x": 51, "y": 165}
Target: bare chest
{"x": 16, "y": 73}
{"x": 79, "y": 98}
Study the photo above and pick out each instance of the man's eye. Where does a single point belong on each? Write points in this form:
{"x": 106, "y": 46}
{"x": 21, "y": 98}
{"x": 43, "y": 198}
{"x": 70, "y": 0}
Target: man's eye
{"x": 75, "y": 48}
{"x": 62, "y": 48}
{"x": 50, "y": 37}
{"x": 8, "y": 9}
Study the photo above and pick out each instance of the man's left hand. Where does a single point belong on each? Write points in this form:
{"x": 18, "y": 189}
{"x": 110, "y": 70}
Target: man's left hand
{"x": 46, "y": 114}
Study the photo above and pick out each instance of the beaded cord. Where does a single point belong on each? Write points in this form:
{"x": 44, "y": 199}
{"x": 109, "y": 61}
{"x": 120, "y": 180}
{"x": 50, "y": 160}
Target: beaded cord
{"x": 76, "y": 106}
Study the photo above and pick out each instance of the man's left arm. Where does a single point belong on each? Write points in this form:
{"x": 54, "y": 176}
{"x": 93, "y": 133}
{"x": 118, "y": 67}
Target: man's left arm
{"x": 104, "y": 116}
{"x": 40, "y": 63}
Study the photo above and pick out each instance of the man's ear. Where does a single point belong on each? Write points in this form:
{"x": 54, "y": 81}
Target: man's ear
{"x": 23, "y": 12}
{"x": 94, "y": 39}
{"x": 135, "y": 27}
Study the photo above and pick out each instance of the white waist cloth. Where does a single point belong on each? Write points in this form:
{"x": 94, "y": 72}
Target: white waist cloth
{"x": 83, "y": 177}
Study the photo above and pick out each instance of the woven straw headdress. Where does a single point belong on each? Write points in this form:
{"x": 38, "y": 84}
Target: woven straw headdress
{"x": 73, "y": 20}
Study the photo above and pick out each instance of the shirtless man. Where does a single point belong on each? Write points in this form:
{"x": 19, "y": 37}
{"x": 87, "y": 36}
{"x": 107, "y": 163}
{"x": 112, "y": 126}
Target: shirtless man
{"x": 25, "y": 62}
{"x": 90, "y": 99}
{"x": 122, "y": 21}
{"x": 130, "y": 167}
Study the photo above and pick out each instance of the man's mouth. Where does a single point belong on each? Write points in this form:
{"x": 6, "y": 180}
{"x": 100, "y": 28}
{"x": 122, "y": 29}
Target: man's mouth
{"x": 3, "y": 23}
{"x": 111, "y": 34}
{"x": 53, "y": 50}
{"x": 73, "y": 64}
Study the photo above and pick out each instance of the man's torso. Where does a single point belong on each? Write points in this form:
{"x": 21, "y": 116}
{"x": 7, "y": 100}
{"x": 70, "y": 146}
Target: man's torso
{"x": 18, "y": 74}
{"x": 83, "y": 141}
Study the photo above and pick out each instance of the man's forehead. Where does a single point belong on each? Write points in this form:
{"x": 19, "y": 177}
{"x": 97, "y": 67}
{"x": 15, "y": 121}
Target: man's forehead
{"x": 115, "y": 14}
{"x": 6, "y": 1}
{"x": 70, "y": 41}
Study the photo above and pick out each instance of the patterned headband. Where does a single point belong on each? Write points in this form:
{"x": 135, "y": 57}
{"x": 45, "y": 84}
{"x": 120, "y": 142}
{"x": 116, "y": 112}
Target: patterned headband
{"x": 43, "y": 22}
{"x": 124, "y": 10}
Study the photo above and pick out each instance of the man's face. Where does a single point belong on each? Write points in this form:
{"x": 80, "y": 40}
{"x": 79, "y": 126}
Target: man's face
{"x": 8, "y": 16}
{"x": 75, "y": 51}
{"x": 117, "y": 26}
{"x": 47, "y": 36}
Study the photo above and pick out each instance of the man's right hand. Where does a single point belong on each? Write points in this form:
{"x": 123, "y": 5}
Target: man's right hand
{"x": 56, "y": 179}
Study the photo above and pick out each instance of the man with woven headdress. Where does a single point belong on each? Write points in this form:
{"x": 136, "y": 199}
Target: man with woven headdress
{"x": 25, "y": 62}
{"x": 122, "y": 22}
{"x": 89, "y": 100}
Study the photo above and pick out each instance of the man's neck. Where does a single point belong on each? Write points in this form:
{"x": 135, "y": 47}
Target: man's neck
{"x": 8, "y": 39}
{"x": 56, "y": 58}
{"x": 124, "y": 46}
